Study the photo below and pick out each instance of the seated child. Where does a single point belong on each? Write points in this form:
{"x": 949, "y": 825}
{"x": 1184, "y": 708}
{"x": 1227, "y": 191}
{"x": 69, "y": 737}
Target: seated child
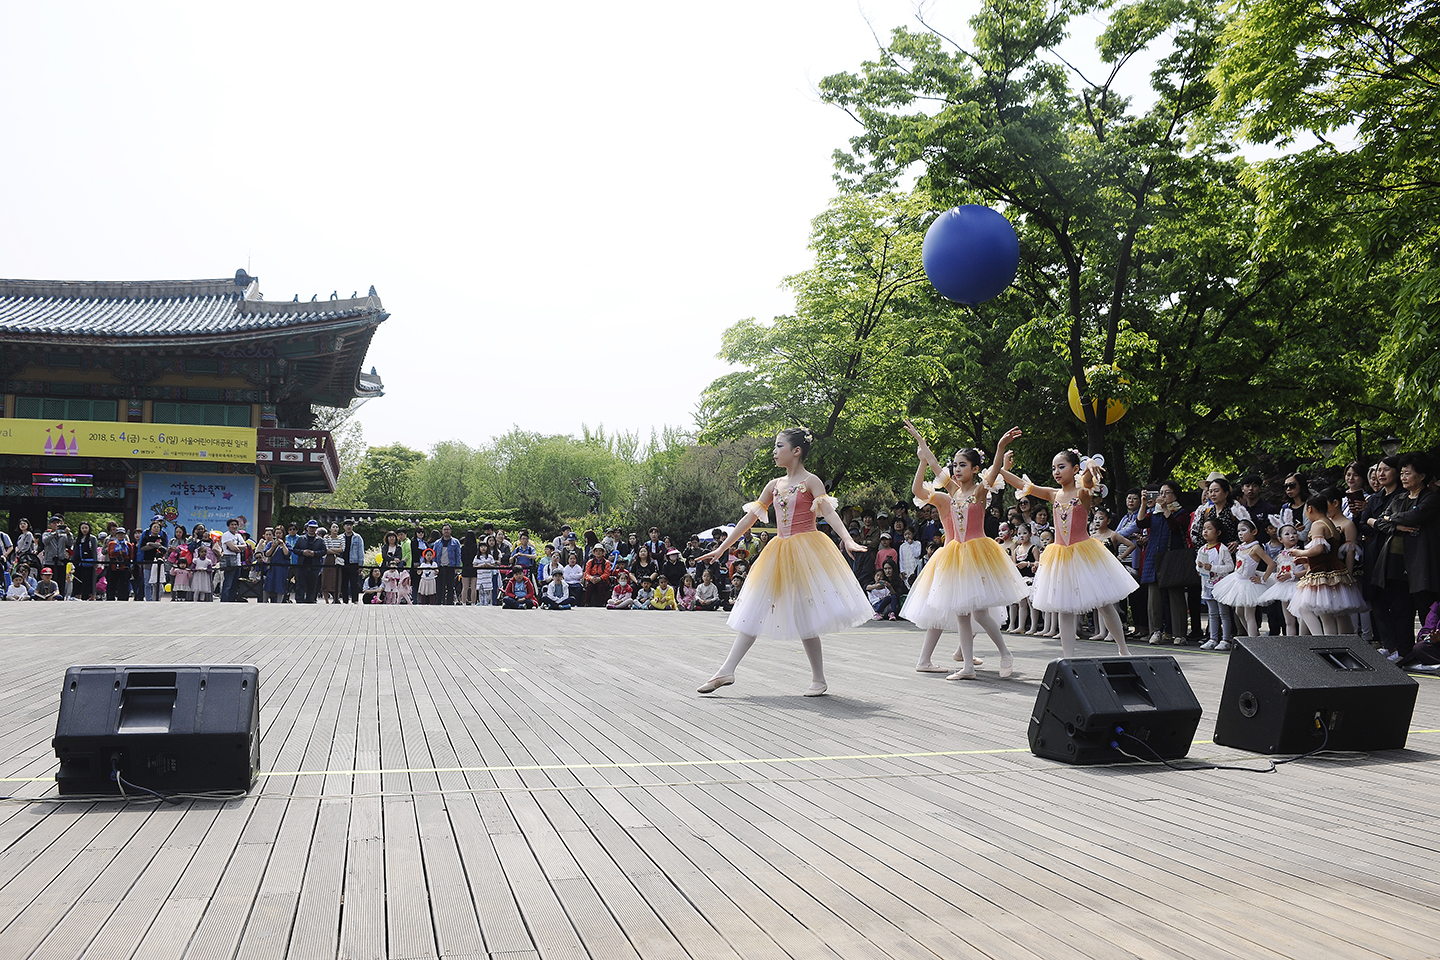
{"x": 622, "y": 597}
{"x": 519, "y": 589}
{"x": 881, "y": 598}
{"x": 19, "y": 584}
{"x": 686, "y": 600}
{"x": 707, "y": 594}
{"x": 644, "y": 595}
{"x": 557, "y": 594}
{"x": 664, "y": 598}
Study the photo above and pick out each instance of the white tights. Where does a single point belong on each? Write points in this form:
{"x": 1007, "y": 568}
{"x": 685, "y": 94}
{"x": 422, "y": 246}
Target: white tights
{"x": 744, "y": 641}
{"x": 965, "y": 628}
{"x": 1322, "y": 624}
{"x": 1112, "y": 623}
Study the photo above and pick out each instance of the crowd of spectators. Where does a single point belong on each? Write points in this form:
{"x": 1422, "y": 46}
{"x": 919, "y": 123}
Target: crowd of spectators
{"x": 1179, "y": 545}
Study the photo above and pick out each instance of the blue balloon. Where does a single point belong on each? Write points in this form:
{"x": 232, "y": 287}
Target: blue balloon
{"x": 971, "y": 253}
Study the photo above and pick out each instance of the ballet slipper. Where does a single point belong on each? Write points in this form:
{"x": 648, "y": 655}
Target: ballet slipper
{"x": 715, "y": 683}
{"x": 960, "y": 658}
{"x": 1007, "y": 665}
{"x": 931, "y": 668}
{"x": 816, "y": 690}
{"x": 962, "y": 675}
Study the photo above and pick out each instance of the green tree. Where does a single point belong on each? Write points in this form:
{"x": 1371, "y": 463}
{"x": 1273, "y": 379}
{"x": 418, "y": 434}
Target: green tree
{"x": 848, "y": 357}
{"x": 1365, "y": 208}
{"x": 389, "y": 476}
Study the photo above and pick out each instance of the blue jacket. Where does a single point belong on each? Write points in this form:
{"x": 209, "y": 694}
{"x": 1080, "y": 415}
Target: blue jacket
{"x": 357, "y": 550}
{"x": 447, "y": 554}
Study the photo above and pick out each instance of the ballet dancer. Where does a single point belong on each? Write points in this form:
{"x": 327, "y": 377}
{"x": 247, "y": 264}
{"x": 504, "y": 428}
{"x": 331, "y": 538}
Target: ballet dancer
{"x": 971, "y": 574}
{"x": 1076, "y": 573}
{"x": 800, "y": 585}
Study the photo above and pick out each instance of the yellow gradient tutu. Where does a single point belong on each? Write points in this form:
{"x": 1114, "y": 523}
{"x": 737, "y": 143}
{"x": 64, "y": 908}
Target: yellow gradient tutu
{"x": 799, "y": 587}
{"x": 1079, "y": 578}
{"x": 960, "y": 579}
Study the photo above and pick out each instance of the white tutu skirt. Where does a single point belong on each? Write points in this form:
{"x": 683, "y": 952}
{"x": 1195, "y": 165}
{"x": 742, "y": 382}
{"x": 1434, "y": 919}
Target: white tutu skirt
{"x": 960, "y": 579}
{"x": 1281, "y": 590}
{"x": 1079, "y": 578}
{"x": 799, "y": 587}
{"x": 1333, "y": 593}
{"x": 1234, "y": 590}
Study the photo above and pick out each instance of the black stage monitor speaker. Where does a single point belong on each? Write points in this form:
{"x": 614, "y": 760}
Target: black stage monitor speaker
{"x": 1276, "y": 686}
{"x": 1084, "y": 702}
{"x": 168, "y": 728}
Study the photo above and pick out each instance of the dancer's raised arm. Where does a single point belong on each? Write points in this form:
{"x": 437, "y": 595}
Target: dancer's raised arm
{"x": 1023, "y": 484}
{"x": 927, "y": 459}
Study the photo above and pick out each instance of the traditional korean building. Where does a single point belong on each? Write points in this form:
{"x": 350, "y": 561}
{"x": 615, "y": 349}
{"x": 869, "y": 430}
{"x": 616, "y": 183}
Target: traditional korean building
{"x": 192, "y": 399}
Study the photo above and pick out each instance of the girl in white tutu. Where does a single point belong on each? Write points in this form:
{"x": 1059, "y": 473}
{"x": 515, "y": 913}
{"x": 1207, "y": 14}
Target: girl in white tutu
{"x": 1328, "y": 591}
{"x": 1245, "y": 588}
{"x": 971, "y": 574}
{"x": 800, "y": 585}
{"x": 1288, "y": 571}
{"x": 1076, "y": 573}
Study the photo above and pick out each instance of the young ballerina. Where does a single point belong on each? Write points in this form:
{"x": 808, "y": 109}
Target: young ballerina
{"x": 800, "y": 585}
{"x": 1214, "y": 562}
{"x": 1328, "y": 591}
{"x": 1076, "y": 573}
{"x": 968, "y": 576}
{"x": 1288, "y": 571}
{"x": 1022, "y": 618}
{"x": 1246, "y": 587}
{"x": 1117, "y": 544}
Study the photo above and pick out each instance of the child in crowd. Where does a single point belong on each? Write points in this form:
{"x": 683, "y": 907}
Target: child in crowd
{"x": 1050, "y": 622}
{"x": 686, "y": 600}
{"x": 664, "y": 598}
{"x": 707, "y": 594}
{"x": 1213, "y": 561}
{"x": 180, "y": 564}
{"x": 484, "y": 576}
{"x": 101, "y": 587}
{"x": 622, "y": 596}
{"x": 519, "y": 588}
{"x": 1288, "y": 570}
{"x": 1245, "y": 589}
{"x": 202, "y": 583}
{"x": 429, "y": 573}
{"x": 396, "y": 587}
{"x": 735, "y": 586}
{"x": 910, "y": 550}
{"x": 645, "y": 594}
{"x": 881, "y": 599}
{"x": 19, "y": 588}
{"x": 556, "y": 595}
{"x": 372, "y": 590}
{"x": 47, "y": 588}
{"x": 887, "y": 551}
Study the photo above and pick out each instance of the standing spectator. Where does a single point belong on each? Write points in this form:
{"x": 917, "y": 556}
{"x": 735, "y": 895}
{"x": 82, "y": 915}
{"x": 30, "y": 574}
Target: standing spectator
{"x": 118, "y": 561}
{"x": 391, "y": 550}
{"x": 415, "y": 547}
{"x": 429, "y": 572}
{"x": 332, "y": 564}
{"x": 1372, "y": 555}
{"x": 447, "y": 560}
{"x": 468, "y": 550}
{"x": 86, "y": 556}
{"x": 1166, "y": 524}
{"x": 524, "y": 553}
{"x": 887, "y": 551}
{"x": 909, "y": 551}
{"x": 597, "y": 577}
{"x": 654, "y": 542}
{"x": 232, "y": 547}
{"x": 153, "y": 548}
{"x": 308, "y": 559}
{"x": 276, "y": 554}
{"x": 1292, "y": 511}
{"x": 27, "y": 550}
{"x": 1128, "y": 527}
{"x": 56, "y": 544}
{"x": 1407, "y": 570}
{"x": 1258, "y": 507}
{"x": 352, "y": 556}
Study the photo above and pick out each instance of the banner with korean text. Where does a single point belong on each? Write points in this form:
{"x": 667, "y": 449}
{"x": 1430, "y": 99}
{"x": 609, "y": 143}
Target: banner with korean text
{"x": 191, "y": 498}
{"x": 146, "y": 441}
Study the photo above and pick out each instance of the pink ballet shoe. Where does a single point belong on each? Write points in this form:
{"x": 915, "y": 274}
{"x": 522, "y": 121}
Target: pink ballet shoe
{"x": 715, "y": 683}
{"x": 931, "y": 668}
{"x": 1007, "y": 666}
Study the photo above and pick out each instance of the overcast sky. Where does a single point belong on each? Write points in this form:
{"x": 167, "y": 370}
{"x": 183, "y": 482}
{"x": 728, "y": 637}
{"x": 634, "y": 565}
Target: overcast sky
{"x": 562, "y": 205}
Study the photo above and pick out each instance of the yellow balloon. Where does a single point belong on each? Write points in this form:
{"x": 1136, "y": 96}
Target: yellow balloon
{"x": 1114, "y": 409}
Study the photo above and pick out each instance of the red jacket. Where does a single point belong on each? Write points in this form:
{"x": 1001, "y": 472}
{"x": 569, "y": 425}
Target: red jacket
{"x": 597, "y": 570}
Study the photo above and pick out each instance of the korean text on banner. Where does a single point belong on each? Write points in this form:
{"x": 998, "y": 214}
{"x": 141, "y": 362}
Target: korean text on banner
{"x": 146, "y": 441}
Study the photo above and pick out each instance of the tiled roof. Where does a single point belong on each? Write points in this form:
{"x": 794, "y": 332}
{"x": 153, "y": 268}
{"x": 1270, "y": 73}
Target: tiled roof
{"x": 162, "y": 309}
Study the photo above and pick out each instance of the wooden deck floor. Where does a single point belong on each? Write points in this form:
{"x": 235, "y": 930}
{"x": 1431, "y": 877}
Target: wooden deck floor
{"x": 482, "y": 783}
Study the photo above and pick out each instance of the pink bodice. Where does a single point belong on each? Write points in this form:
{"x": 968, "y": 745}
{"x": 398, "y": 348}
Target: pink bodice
{"x": 965, "y": 520}
{"x": 1072, "y": 522}
{"x": 794, "y": 509}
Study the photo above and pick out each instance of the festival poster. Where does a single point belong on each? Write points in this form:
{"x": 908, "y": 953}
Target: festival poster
{"x": 191, "y": 498}
{"x": 146, "y": 441}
